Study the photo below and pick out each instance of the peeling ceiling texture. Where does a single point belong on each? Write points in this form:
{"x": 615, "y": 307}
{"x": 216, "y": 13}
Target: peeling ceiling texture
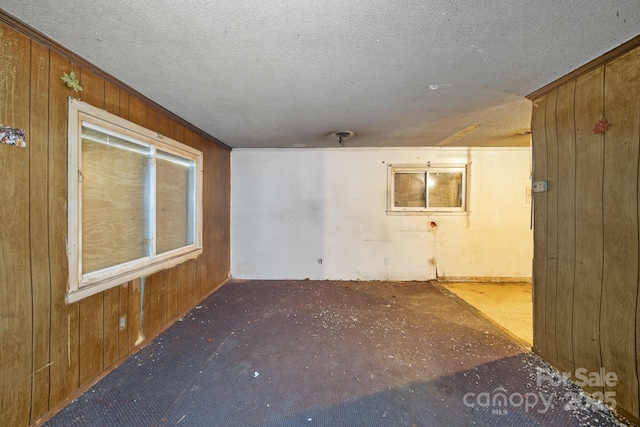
{"x": 274, "y": 73}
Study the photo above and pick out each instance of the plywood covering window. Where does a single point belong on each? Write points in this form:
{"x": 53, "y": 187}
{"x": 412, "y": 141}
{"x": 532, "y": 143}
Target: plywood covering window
{"x": 134, "y": 201}
{"x": 415, "y": 188}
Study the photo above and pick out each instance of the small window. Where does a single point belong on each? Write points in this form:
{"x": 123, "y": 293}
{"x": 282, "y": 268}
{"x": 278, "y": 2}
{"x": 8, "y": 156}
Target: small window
{"x": 427, "y": 188}
{"x": 134, "y": 201}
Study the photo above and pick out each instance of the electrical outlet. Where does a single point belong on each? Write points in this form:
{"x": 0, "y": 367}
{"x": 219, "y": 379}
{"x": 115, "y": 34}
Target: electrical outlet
{"x": 320, "y": 261}
{"x": 123, "y": 322}
{"x": 386, "y": 261}
{"x": 540, "y": 186}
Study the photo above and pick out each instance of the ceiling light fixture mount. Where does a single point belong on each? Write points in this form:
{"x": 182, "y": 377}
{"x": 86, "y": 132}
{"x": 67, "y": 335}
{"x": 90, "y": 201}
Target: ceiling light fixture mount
{"x": 341, "y": 134}
{"x": 459, "y": 134}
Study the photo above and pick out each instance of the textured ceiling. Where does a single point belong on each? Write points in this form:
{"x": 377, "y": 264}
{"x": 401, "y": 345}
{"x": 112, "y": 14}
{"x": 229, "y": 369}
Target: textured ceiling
{"x": 274, "y": 73}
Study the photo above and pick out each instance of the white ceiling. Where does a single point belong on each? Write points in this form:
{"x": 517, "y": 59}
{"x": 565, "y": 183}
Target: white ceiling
{"x": 274, "y": 73}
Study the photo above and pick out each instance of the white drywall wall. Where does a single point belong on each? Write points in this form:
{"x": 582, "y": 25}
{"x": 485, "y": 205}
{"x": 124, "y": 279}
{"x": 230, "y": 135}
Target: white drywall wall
{"x": 292, "y": 207}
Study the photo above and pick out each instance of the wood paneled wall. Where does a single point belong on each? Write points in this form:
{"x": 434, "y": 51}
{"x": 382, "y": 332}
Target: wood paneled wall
{"x": 586, "y": 230}
{"x": 48, "y": 349}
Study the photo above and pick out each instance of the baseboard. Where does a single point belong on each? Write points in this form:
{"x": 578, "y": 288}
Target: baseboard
{"x": 484, "y": 279}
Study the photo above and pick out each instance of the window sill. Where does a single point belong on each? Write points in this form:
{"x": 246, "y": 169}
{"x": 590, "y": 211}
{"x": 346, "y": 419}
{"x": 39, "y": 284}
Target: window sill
{"x": 145, "y": 270}
{"x": 429, "y": 213}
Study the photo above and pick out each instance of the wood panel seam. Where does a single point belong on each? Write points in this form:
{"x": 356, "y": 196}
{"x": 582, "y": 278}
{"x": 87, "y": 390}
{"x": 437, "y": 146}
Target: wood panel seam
{"x": 85, "y": 387}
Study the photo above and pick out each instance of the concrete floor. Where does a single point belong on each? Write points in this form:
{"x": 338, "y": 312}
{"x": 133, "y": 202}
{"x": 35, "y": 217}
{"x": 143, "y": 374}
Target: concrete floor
{"x": 508, "y": 305}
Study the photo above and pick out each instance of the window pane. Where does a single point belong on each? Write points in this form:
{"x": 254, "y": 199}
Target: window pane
{"x": 445, "y": 189}
{"x": 114, "y": 211}
{"x": 174, "y": 202}
{"x": 409, "y": 190}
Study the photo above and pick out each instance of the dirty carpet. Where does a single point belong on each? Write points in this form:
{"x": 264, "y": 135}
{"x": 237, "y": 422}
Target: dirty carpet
{"x": 323, "y": 353}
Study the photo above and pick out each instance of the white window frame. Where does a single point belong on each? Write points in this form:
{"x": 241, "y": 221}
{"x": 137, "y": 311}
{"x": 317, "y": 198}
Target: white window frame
{"x": 428, "y": 168}
{"x": 83, "y": 285}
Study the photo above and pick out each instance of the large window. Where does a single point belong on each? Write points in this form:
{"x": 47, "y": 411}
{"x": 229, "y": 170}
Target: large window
{"x": 134, "y": 201}
{"x": 416, "y": 188}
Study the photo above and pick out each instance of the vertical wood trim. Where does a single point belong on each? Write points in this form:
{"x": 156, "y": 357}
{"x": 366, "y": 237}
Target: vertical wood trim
{"x": 138, "y": 112}
{"x": 16, "y": 327}
{"x": 620, "y": 200}
{"x": 124, "y": 105}
{"x": 91, "y": 337}
{"x": 112, "y": 306}
{"x": 111, "y": 326}
{"x": 176, "y": 131}
{"x": 214, "y": 268}
{"x": 210, "y": 191}
{"x": 146, "y": 309}
{"x": 164, "y": 297}
{"x": 92, "y": 308}
{"x": 200, "y": 145}
{"x": 181, "y": 282}
{"x": 93, "y": 89}
{"x": 133, "y": 323}
{"x": 635, "y": 139}
{"x": 589, "y": 238}
{"x": 38, "y": 146}
{"x": 539, "y": 152}
{"x": 111, "y": 99}
{"x": 155, "y": 303}
{"x": 172, "y": 293}
{"x": 224, "y": 220}
{"x": 164, "y": 126}
{"x": 152, "y": 120}
{"x": 123, "y": 333}
{"x": 64, "y": 318}
{"x": 192, "y": 293}
{"x": 552, "y": 226}
{"x": 565, "y": 123}
{"x": 161, "y": 280}
{"x": 190, "y": 279}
